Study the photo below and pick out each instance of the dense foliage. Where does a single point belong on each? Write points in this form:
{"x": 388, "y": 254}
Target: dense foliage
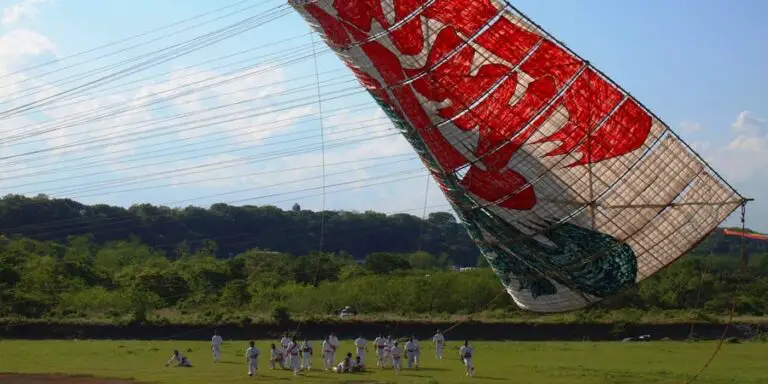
{"x": 61, "y": 258}
{"x": 127, "y": 279}
{"x": 237, "y": 229}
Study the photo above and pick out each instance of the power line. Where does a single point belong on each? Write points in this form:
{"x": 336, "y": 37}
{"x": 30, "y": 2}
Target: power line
{"x": 98, "y": 113}
{"x": 114, "y": 65}
{"x": 228, "y": 163}
{"x": 163, "y": 55}
{"x": 86, "y": 97}
{"x": 152, "y": 132}
{"x": 116, "y": 42}
{"x": 63, "y": 163}
{"x": 119, "y": 224}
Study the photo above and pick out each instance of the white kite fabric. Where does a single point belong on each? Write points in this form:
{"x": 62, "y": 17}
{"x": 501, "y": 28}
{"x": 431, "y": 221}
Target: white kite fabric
{"x": 570, "y": 187}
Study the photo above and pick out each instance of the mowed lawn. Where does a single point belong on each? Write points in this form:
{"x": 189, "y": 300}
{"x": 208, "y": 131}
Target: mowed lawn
{"x": 496, "y": 362}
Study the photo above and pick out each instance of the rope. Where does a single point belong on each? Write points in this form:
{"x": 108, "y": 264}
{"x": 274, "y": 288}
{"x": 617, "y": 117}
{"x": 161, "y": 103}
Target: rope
{"x": 732, "y": 311}
{"x": 322, "y": 142}
{"x": 424, "y": 214}
{"x": 294, "y": 337}
{"x": 429, "y": 88}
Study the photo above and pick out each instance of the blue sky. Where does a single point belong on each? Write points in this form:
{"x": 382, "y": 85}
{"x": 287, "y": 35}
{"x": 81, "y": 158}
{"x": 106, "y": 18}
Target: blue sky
{"x": 702, "y": 66}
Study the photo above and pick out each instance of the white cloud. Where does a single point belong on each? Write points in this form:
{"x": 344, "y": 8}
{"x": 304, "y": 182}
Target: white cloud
{"x": 690, "y": 127}
{"x": 749, "y": 124}
{"x": 239, "y": 135}
{"x": 197, "y": 116}
{"x": 252, "y": 122}
{"x": 745, "y": 156}
{"x": 17, "y": 12}
{"x": 742, "y": 159}
{"x": 23, "y": 42}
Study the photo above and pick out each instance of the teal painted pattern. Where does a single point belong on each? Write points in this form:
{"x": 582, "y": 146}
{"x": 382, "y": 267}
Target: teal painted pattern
{"x": 581, "y": 259}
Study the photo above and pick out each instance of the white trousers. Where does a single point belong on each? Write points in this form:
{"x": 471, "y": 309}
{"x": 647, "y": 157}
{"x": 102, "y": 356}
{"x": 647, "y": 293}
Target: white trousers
{"x": 411, "y": 356}
{"x": 278, "y": 362}
{"x": 327, "y": 360}
{"x": 439, "y": 350}
{"x": 469, "y": 365}
{"x": 397, "y": 363}
{"x": 306, "y": 361}
{"x": 216, "y": 353}
{"x": 253, "y": 366}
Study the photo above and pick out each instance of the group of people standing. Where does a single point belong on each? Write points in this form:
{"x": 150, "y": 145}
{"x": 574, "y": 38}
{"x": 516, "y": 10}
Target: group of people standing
{"x": 289, "y": 353}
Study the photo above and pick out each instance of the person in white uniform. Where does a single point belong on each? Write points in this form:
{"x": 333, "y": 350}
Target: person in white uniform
{"x": 284, "y": 341}
{"x": 417, "y": 351}
{"x": 345, "y": 365}
{"x": 439, "y": 341}
{"x": 181, "y": 360}
{"x": 388, "y": 350}
{"x": 252, "y": 358}
{"x": 465, "y": 353}
{"x": 397, "y": 357}
{"x": 334, "y": 341}
{"x": 360, "y": 347}
{"x": 306, "y": 355}
{"x": 410, "y": 352}
{"x": 276, "y": 356}
{"x": 327, "y": 355}
{"x": 293, "y": 356}
{"x": 380, "y": 343}
{"x": 216, "y": 342}
{"x": 359, "y": 365}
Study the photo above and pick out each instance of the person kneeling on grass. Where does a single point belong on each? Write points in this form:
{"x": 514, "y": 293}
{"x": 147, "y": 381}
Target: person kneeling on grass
{"x": 181, "y": 360}
{"x": 358, "y": 365}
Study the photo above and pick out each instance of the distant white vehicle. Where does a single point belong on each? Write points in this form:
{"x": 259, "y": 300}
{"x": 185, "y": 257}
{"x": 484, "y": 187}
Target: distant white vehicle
{"x": 347, "y": 311}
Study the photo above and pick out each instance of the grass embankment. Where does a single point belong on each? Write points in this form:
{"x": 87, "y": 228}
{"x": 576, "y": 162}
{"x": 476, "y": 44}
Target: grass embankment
{"x": 513, "y": 362}
{"x": 628, "y": 316}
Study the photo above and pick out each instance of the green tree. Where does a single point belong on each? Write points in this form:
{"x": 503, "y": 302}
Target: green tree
{"x": 382, "y": 263}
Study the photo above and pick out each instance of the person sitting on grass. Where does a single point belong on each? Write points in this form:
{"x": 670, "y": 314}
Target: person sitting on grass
{"x": 358, "y": 365}
{"x": 181, "y": 360}
{"x": 345, "y": 365}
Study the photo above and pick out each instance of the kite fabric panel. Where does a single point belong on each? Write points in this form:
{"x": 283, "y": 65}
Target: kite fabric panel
{"x": 572, "y": 190}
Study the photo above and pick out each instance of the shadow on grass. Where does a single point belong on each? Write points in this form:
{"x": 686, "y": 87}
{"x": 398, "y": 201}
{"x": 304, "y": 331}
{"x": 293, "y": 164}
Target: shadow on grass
{"x": 431, "y": 369}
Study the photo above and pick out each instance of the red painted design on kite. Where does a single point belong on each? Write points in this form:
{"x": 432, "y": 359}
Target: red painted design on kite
{"x": 601, "y": 124}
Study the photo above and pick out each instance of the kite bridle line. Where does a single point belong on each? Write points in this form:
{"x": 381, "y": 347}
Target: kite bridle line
{"x": 732, "y": 311}
{"x": 591, "y": 206}
{"x": 430, "y": 82}
{"x": 321, "y": 239}
{"x": 466, "y": 109}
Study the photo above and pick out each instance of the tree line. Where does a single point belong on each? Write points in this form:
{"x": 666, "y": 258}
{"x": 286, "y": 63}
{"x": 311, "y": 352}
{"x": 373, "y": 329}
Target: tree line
{"x": 237, "y": 229}
{"x": 127, "y": 279}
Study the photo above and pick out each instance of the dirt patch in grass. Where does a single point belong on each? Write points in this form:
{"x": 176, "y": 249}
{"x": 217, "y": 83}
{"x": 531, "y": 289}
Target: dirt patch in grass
{"x": 58, "y": 379}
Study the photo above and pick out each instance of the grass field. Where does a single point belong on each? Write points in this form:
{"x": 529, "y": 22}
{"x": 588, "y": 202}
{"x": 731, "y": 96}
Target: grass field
{"x": 496, "y": 362}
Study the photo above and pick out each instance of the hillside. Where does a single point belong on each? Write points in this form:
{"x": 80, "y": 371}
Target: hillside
{"x": 236, "y": 229}
{"x": 132, "y": 263}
